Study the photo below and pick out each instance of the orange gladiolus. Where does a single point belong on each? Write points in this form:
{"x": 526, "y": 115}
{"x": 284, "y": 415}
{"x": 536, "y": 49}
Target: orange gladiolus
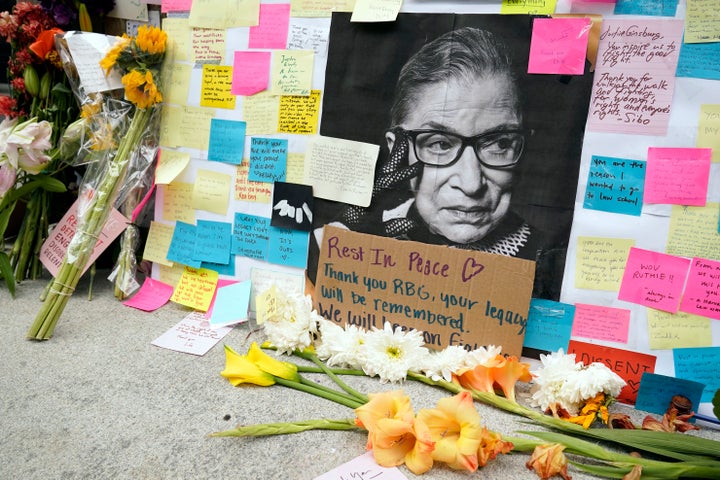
{"x": 500, "y": 371}
{"x": 491, "y": 445}
{"x": 548, "y": 461}
{"x": 509, "y": 374}
{"x": 455, "y": 428}
{"x": 45, "y": 42}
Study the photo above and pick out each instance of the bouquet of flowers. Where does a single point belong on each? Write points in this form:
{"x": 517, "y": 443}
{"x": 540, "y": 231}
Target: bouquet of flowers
{"x": 123, "y": 134}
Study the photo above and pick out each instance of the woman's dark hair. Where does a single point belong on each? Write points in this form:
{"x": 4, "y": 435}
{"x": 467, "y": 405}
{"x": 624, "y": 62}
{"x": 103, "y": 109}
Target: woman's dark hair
{"x": 464, "y": 54}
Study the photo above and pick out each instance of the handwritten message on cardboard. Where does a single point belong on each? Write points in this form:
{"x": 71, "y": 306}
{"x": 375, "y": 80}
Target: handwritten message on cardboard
{"x": 455, "y": 297}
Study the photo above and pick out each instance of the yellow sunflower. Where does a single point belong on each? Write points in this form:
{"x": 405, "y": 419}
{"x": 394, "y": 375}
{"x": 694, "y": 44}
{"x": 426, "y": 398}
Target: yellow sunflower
{"x": 151, "y": 39}
{"x": 110, "y": 59}
{"x": 141, "y": 89}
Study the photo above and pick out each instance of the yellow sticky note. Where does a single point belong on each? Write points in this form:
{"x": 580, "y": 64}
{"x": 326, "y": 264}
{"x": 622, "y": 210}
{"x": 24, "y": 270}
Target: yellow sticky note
{"x": 694, "y": 231}
{"x": 170, "y": 164}
{"x": 544, "y": 7}
{"x": 600, "y": 262}
{"x": 319, "y": 8}
{"x": 171, "y": 275}
{"x": 291, "y": 72}
{"x": 376, "y": 10}
{"x": 299, "y": 114}
{"x": 176, "y": 82}
{"x": 178, "y": 32}
{"x": 194, "y": 127}
{"x": 249, "y": 191}
{"x": 215, "y": 89}
{"x": 261, "y": 113}
{"x": 207, "y": 45}
{"x": 169, "y": 124}
{"x": 295, "y": 168}
{"x": 678, "y": 330}
{"x": 702, "y": 21}
{"x": 196, "y": 288}
{"x": 224, "y": 13}
{"x": 709, "y": 130}
{"x": 177, "y": 202}
{"x": 157, "y": 243}
{"x": 211, "y": 192}
{"x": 266, "y": 305}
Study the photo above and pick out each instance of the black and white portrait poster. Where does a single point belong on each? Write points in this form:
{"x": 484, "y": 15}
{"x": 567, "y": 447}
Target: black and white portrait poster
{"x": 475, "y": 152}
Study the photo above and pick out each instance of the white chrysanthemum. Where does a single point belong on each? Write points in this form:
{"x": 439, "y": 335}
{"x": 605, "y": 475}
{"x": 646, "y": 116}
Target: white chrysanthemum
{"x": 440, "y": 365}
{"x": 293, "y": 324}
{"x": 341, "y": 347}
{"x": 550, "y": 379}
{"x": 390, "y": 355}
{"x": 588, "y": 381}
{"x": 480, "y": 356}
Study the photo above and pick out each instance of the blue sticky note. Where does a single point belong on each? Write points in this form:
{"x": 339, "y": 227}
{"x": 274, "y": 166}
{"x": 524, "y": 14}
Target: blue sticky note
{"x": 288, "y": 247}
{"x": 227, "y": 141}
{"x": 182, "y": 245}
{"x": 664, "y": 8}
{"x": 549, "y": 325}
{"x": 231, "y": 304}
{"x": 268, "y": 160}
{"x": 656, "y": 391}
{"x": 228, "y": 269}
{"x": 699, "y": 60}
{"x": 250, "y": 236}
{"x": 615, "y": 185}
{"x": 213, "y": 241}
{"x": 699, "y": 365}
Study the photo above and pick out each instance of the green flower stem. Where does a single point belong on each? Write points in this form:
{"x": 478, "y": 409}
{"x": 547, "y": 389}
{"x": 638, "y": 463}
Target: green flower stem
{"x": 85, "y": 238}
{"x": 282, "y": 428}
{"x": 333, "y": 396}
{"x": 360, "y": 396}
{"x": 336, "y": 371}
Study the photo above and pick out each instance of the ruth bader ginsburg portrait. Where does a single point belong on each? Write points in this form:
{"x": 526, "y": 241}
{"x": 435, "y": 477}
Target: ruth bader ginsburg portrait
{"x": 475, "y": 152}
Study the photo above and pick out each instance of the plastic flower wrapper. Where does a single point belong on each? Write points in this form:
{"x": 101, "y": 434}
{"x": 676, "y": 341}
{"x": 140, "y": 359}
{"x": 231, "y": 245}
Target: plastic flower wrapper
{"x": 106, "y": 180}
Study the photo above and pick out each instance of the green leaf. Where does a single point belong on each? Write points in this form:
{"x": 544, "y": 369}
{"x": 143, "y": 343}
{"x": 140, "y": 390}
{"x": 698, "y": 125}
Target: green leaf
{"x": 716, "y": 403}
{"x": 51, "y": 184}
{"x": 7, "y": 273}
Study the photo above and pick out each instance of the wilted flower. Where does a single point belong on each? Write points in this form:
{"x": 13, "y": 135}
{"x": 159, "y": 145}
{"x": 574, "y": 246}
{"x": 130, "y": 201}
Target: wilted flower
{"x": 491, "y": 445}
{"x": 548, "y": 461}
{"x": 391, "y": 354}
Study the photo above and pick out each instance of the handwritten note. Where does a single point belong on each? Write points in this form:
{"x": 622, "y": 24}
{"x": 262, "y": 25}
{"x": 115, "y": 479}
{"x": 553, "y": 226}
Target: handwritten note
{"x": 601, "y": 323}
{"x": 251, "y": 236}
{"x": 512, "y": 7}
{"x": 268, "y": 157}
{"x": 305, "y": 37}
{"x": 266, "y": 304}
{"x": 292, "y": 72}
{"x": 231, "y": 305}
{"x": 178, "y": 31}
{"x": 708, "y": 135}
{"x": 634, "y": 76}
{"x": 656, "y": 392}
{"x": 170, "y": 164}
{"x": 215, "y": 87}
{"x": 223, "y": 269}
{"x": 175, "y": 6}
{"x": 248, "y": 191}
{"x": 600, "y": 262}
{"x": 664, "y": 8}
{"x": 227, "y": 141}
{"x": 262, "y": 279}
{"x": 171, "y": 275}
{"x": 87, "y": 49}
{"x": 693, "y": 231}
{"x": 699, "y": 365}
{"x": 157, "y": 243}
{"x": 299, "y": 114}
{"x": 211, "y": 191}
{"x": 152, "y": 295}
{"x": 176, "y": 82}
{"x": 212, "y": 242}
{"x": 375, "y": 10}
{"x": 196, "y": 288}
{"x": 261, "y": 113}
{"x": 224, "y": 13}
{"x": 677, "y": 175}
{"x": 702, "y": 290}
{"x": 319, "y": 8}
{"x": 272, "y": 30}
{"x": 615, "y": 185}
{"x": 182, "y": 245}
{"x": 699, "y": 60}
{"x": 192, "y": 335}
{"x": 207, "y": 45}
{"x": 361, "y": 468}
{"x": 129, "y": 10}
{"x": 251, "y": 72}
{"x": 549, "y": 325}
{"x": 702, "y": 21}
{"x": 628, "y": 364}
{"x": 288, "y": 247}
{"x": 295, "y": 168}
{"x": 653, "y": 279}
{"x": 559, "y": 45}
{"x": 341, "y": 170}
{"x": 677, "y": 330}
{"x": 185, "y": 127}
{"x": 177, "y": 202}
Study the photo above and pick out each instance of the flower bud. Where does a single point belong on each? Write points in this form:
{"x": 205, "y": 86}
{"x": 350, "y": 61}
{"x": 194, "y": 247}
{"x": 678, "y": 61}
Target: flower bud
{"x": 72, "y": 139}
{"x": 32, "y": 82}
{"x": 45, "y": 83}
{"x": 84, "y": 18}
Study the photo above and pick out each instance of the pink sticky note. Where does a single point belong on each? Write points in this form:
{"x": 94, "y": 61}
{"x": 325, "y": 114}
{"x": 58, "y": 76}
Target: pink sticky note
{"x": 251, "y": 73}
{"x": 702, "y": 291}
{"x": 272, "y": 29}
{"x": 677, "y": 175}
{"x": 653, "y": 279}
{"x": 152, "y": 295}
{"x": 601, "y": 323}
{"x": 559, "y": 45}
{"x": 175, "y": 6}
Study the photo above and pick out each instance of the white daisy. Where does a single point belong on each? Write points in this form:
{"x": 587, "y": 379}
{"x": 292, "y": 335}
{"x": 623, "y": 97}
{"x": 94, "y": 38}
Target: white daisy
{"x": 390, "y": 355}
{"x": 440, "y": 365}
{"x": 341, "y": 347}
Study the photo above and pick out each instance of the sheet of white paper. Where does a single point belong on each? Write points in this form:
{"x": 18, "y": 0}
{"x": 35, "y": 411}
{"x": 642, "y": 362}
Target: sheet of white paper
{"x": 192, "y": 335}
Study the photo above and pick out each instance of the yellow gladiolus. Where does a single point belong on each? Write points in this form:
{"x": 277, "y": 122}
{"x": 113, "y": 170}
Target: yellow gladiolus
{"x": 274, "y": 367}
{"x": 239, "y": 369}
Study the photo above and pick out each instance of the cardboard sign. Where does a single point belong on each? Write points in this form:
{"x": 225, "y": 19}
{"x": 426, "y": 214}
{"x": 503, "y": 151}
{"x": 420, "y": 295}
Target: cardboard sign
{"x": 454, "y": 296}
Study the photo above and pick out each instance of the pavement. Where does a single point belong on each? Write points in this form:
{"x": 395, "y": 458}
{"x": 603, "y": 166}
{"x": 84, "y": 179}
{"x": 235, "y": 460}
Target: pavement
{"x": 98, "y": 401}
